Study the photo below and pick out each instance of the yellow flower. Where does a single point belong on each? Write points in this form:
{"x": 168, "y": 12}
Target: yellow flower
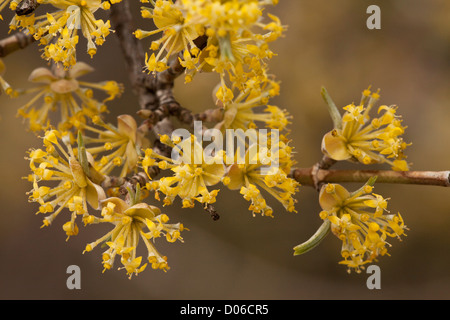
{"x": 4, "y": 3}
{"x": 114, "y": 146}
{"x": 177, "y": 34}
{"x": 361, "y": 221}
{"x": 192, "y": 173}
{"x": 4, "y": 86}
{"x": 61, "y": 90}
{"x": 59, "y": 31}
{"x": 215, "y": 36}
{"x": 232, "y": 57}
{"x": 73, "y": 190}
{"x": 102, "y": 31}
{"x": 250, "y": 174}
{"x": 242, "y": 111}
{"x": 358, "y": 137}
{"x": 189, "y": 62}
{"x": 132, "y": 222}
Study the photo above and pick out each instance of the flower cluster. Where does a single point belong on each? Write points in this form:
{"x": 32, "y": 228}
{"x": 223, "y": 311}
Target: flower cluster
{"x": 368, "y": 140}
{"x": 361, "y": 221}
{"x": 250, "y": 175}
{"x": 59, "y": 31}
{"x": 230, "y": 38}
{"x": 74, "y": 188}
{"x": 64, "y": 177}
{"x": 220, "y": 36}
{"x": 193, "y": 174}
{"x": 242, "y": 111}
{"x": 133, "y": 220}
{"x": 85, "y": 158}
{"x": 113, "y": 146}
{"x": 61, "y": 90}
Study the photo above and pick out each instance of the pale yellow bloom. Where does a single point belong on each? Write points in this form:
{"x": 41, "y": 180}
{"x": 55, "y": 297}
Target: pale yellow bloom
{"x": 62, "y": 91}
{"x": 361, "y": 221}
{"x": 177, "y": 35}
{"x": 74, "y": 188}
{"x": 114, "y": 146}
{"x": 59, "y": 30}
{"x": 251, "y": 174}
{"x": 219, "y": 36}
{"x": 368, "y": 140}
{"x": 132, "y": 222}
{"x": 4, "y": 86}
{"x": 241, "y": 112}
{"x": 192, "y": 174}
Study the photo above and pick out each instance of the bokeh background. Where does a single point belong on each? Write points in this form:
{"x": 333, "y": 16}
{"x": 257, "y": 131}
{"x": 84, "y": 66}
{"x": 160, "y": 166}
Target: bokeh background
{"x": 240, "y": 256}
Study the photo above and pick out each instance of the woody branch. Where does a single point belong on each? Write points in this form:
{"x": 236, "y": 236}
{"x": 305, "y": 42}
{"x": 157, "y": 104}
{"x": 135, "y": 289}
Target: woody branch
{"x": 311, "y": 177}
{"x": 17, "y": 41}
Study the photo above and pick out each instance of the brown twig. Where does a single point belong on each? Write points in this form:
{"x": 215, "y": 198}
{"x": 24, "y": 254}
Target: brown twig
{"x": 323, "y": 164}
{"x": 309, "y": 177}
{"x": 142, "y": 83}
{"x": 17, "y": 41}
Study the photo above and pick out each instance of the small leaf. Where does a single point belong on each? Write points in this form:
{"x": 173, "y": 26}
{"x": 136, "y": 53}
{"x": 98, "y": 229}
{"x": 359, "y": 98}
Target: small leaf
{"x": 314, "y": 241}
{"x": 334, "y": 112}
{"x": 225, "y": 48}
{"x": 131, "y": 196}
{"x": 82, "y": 155}
{"x": 371, "y": 181}
{"x": 137, "y": 195}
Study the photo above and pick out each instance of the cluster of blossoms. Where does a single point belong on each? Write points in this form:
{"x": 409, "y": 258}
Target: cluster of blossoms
{"x": 83, "y": 152}
{"x": 133, "y": 220}
{"x": 59, "y": 30}
{"x": 250, "y": 176}
{"x": 361, "y": 221}
{"x": 68, "y": 177}
{"x": 74, "y": 188}
{"x": 368, "y": 140}
{"x": 112, "y": 146}
{"x": 241, "y": 112}
{"x": 193, "y": 174}
{"x": 230, "y": 38}
{"x": 62, "y": 91}
{"x": 78, "y": 188}
{"x": 211, "y": 35}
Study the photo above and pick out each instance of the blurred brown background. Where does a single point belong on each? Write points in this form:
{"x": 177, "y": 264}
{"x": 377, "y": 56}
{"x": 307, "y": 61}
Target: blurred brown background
{"x": 244, "y": 257}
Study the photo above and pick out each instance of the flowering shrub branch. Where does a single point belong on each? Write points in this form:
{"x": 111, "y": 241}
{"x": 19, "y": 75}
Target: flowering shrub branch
{"x": 102, "y": 172}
